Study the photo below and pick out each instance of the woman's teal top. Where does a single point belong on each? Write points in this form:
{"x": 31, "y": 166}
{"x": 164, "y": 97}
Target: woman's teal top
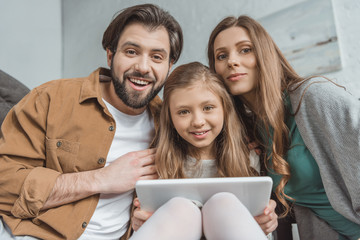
{"x": 305, "y": 184}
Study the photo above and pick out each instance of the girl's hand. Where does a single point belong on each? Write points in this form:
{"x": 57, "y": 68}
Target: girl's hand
{"x": 139, "y": 216}
{"x": 268, "y": 221}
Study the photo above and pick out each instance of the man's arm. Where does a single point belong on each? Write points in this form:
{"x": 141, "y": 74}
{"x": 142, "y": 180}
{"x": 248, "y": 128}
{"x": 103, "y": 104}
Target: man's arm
{"x": 27, "y": 186}
{"x": 22, "y": 157}
{"x": 119, "y": 177}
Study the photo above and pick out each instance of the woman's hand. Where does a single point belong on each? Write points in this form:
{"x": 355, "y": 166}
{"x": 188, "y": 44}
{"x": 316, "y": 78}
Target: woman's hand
{"x": 139, "y": 216}
{"x": 255, "y": 146}
{"x": 268, "y": 221}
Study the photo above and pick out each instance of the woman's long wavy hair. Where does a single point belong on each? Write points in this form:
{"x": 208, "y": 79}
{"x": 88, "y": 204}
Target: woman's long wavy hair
{"x": 232, "y": 154}
{"x": 275, "y": 76}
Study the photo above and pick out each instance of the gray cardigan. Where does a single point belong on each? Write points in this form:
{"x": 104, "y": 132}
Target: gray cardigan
{"x": 329, "y": 123}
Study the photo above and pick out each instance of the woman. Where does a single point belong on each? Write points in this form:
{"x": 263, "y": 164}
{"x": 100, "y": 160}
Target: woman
{"x": 309, "y": 128}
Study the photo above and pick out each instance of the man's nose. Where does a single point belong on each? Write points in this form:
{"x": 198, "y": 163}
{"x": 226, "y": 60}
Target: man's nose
{"x": 142, "y": 65}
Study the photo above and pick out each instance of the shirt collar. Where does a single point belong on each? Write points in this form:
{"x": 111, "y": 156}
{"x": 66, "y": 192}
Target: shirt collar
{"x": 91, "y": 86}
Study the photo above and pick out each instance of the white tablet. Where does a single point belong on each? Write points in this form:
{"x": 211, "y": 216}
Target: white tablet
{"x": 253, "y": 192}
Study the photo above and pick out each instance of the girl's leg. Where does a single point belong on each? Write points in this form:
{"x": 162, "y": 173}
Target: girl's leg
{"x": 225, "y": 217}
{"x": 179, "y": 218}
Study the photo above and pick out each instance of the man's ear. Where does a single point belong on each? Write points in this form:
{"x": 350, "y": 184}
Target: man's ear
{"x": 171, "y": 64}
{"x": 109, "y": 56}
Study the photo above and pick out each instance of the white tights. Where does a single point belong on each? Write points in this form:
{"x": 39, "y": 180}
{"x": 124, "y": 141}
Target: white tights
{"x": 223, "y": 216}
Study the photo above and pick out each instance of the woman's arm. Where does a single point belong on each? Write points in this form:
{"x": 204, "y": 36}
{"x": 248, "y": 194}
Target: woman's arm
{"x": 329, "y": 123}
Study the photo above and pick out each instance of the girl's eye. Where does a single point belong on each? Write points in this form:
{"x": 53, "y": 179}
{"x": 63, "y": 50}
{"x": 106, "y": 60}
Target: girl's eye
{"x": 183, "y": 112}
{"x": 208, "y": 108}
{"x": 221, "y": 57}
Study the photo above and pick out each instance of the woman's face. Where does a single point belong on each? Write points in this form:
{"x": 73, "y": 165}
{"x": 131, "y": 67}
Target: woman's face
{"x": 235, "y": 61}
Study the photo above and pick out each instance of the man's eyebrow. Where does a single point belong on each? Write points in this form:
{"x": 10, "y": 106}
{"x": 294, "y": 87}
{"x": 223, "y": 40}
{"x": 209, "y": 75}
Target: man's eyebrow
{"x": 161, "y": 50}
{"x": 129, "y": 43}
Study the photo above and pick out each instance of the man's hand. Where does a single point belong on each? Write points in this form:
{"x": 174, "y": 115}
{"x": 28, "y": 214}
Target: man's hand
{"x": 268, "y": 221}
{"x": 139, "y": 216}
{"x": 118, "y": 177}
{"x": 121, "y": 175}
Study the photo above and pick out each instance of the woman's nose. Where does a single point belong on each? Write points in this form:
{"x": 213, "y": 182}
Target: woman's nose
{"x": 232, "y": 63}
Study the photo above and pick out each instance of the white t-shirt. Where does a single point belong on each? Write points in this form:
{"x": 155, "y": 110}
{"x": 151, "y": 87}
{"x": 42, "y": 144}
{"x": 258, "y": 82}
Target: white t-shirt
{"x": 112, "y": 213}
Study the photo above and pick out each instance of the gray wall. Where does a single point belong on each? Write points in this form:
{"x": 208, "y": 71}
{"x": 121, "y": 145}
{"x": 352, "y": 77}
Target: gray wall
{"x": 82, "y": 39}
{"x": 30, "y": 40}
{"x": 84, "y": 21}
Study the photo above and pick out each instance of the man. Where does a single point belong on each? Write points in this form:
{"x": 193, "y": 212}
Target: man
{"x": 70, "y": 150}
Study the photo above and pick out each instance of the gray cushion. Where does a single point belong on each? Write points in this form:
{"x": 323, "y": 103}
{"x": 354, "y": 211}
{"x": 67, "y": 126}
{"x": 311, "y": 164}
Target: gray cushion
{"x": 11, "y": 92}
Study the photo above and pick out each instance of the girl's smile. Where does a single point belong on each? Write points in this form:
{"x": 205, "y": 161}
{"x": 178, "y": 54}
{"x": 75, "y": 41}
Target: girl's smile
{"x": 198, "y": 117}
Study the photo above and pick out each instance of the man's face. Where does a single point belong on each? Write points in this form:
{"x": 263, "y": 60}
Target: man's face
{"x": 140, "y": 64}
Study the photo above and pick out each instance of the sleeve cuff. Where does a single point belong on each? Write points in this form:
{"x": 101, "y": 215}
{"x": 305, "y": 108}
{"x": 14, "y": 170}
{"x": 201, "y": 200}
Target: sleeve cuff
{"x": 34, "y": 192}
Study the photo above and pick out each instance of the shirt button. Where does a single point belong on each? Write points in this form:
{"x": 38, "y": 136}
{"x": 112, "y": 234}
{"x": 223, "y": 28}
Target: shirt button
{"x": 101, "y": 160}
{"x": 111, "y": 128}
{"x": 84, "y": 224}
{"x": 58, "y": 144}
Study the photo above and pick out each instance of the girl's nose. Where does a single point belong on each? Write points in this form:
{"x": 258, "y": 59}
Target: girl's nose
{"x": 198, "y": 120}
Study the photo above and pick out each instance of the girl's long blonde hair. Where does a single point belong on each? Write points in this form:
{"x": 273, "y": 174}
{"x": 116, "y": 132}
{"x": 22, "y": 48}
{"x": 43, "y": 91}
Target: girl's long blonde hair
{"x": 275, "y": 76}
{"x": 232, "y": 154}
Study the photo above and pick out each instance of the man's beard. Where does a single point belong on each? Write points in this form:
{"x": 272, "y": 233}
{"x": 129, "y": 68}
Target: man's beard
{"x": 133, "y": 100}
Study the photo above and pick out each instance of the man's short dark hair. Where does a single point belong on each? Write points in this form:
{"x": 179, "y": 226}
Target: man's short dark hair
{"x": 150, "y": 16}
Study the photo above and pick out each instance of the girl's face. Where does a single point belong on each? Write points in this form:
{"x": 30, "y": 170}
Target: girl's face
{"x": 235, "y": 61}
{"x": 198, "y": 117}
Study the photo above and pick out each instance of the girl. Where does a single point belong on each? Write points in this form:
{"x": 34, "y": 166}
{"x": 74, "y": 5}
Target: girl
{"x": 201, "y": 136}
{"x": 310, "y": 128}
